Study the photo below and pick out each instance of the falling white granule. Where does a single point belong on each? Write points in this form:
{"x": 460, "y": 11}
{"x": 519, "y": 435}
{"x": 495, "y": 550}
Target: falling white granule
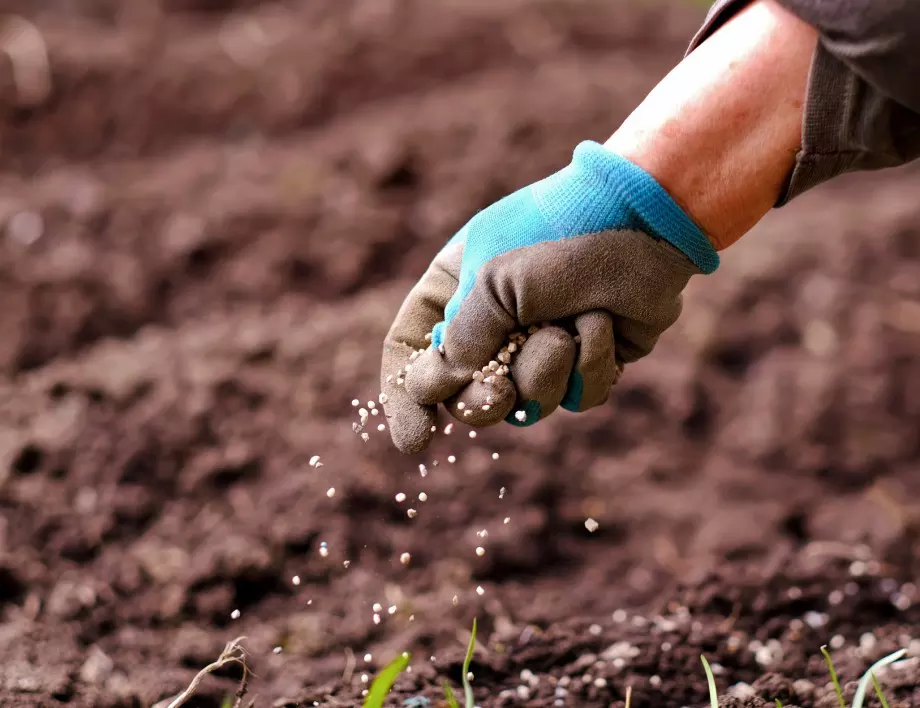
{"x": 521, "y": 416}
{"x": 277, "y": 650}
{"x": 461, "y": 405}
{"x": 411, "y": 513}
{"x": 375, "y": 412}
{"x": 400, "y": 497}
{"x": 368, "y": 658}
{"x": 376, "y": 619}
{"x": 365, "y": 437}
{"x": 507, "y": 520}
{"x": 323, "y": 551}
{"x": 346, "y": 563}
{"x": 451, "y": 459}
{"x": 365, "y": 678}
{"x": 355, "y": 402}
{"x": 235, "y": 614}
{"x": 363, "y": 413}
{"x": 494, "y": 455}
{"x": 381, "y": 427}
{"x": 314, "y": 461}
{"x": 371, "y": 405}
{"x": 591, "y": 525}
{"x": 392, "y": 609}
{"x": 377, "y": 607}
{"x": 422, "y": 470}
{"x": 422, "y": 497}
{"x": 455, "y": 600}
{"x": 482, "y": 533}
{"x": 383, "y": 398}
{"x": 330, "y": 492}
{"x": 448, "y": 429}
{"x": 501, "y": 493}
{"x": 480, "y": 590}
{"x": 296, "y": 580}
{"x": 405, "y": 558}
{"x": 472, "y": 433}
{"x": 480, "y": 551}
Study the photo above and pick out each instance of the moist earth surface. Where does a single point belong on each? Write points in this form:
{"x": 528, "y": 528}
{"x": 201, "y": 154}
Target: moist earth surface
{"x": 205, "y": 227}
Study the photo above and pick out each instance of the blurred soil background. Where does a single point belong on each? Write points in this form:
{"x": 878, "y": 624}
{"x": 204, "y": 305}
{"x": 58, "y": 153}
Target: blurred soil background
{"x": 209, "y": 212}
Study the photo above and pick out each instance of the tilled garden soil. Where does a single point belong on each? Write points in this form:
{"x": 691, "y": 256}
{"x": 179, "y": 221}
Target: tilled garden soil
{"x": 207, "y": 226}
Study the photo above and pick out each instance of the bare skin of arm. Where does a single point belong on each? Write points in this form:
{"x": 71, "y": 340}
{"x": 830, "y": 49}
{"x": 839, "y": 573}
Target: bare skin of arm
{"x": 721, "y": 131}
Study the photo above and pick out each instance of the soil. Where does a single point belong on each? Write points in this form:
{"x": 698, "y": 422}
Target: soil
{"x": 207, "y": 226}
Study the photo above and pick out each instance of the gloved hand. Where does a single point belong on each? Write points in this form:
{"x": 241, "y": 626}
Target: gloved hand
{"x": 598, "y": 250}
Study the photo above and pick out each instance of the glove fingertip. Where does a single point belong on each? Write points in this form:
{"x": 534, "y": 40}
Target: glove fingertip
{"x": 573, "y": 394}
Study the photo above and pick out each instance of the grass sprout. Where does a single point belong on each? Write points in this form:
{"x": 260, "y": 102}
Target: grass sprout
{"x": 449, "y": 695}
{"x": 878, "y": 691}
{"x": 467, "y": 689}
{"x": 382, "y": 684}
{"x": 713, "y": 692}
{"x": 834, "y": 679}
{"x": 869, "y": 677}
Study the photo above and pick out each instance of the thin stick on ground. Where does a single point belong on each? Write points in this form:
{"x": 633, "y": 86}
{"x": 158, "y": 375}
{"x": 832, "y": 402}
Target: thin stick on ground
{"x": 232, "y": 654}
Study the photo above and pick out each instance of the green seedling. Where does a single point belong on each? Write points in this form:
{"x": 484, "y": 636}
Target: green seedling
{"x": 834, "y": 679}
{"x": 869, "y": 677}
{"x": 381, "y": 686}
{"x": 713, "y": 692}
{"x": 468, "y": 699}
{"x": 878, "y": 690}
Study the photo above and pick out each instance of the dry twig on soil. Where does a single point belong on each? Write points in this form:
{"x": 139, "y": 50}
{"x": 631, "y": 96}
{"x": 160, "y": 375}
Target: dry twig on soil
{"x": 233, "y": 653}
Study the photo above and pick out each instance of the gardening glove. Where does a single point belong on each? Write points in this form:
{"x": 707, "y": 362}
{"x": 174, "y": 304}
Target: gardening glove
{"x": 597, "y": 254}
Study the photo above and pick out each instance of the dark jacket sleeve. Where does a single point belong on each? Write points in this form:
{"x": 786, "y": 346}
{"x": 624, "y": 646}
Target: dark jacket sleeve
{"x": 862, "y": 108}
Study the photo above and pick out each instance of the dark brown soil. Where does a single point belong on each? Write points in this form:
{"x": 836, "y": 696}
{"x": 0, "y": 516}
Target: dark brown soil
{"x": 205, "y": 230}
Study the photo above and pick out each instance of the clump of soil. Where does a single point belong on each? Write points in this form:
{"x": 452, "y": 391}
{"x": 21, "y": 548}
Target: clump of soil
{"x": 206, "y": 229}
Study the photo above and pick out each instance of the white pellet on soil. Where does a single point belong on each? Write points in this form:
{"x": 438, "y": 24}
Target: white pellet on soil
{"x": 277, "y": 650}
{"x": 507, "y": 520}
{"x": 501, "y": 493}
{"x": 451, "y": 459}
{"x": 383, "y": 398}
{"x": 371, "y": 405}
{"x": 365, "y": 678}
{"x": 346, "y": 563}
{"x": 376, "y": 618}
{"x": 355, "y": 402}
{"x": 381, "y": 427}
{"x": 411, "y": 513}
{"x": 449, "y": 428}
{"x": 365, "y": 437}
{"x": 400, "y": 497}
{"x": 235, "y": 614}
{"x": 472, "y": 433}
{"x": 591, "y": 525}
{"x": 422, "y": 497}
{"x": 461, "y": 405}
{"x": 480, "y": 590}
{"x": 324, "y": 552}
{"x": 368, "y": 658}
{"x": 375, "y": 412}
{"x": 330, "y": 492}
{"x": 480, "y": 551}
{"x": 422, "y": 470}
{"x": 391, "y": 609}
{"x": 296, "y": 580}
{"x": 377, "y": 607}
{"x": 405, "y": 558}
{"x": 494, "y": 455}
{"x": 315, "y": 462}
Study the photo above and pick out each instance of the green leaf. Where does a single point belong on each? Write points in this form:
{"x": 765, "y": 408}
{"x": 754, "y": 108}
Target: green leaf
{"x": 778, "y": 703}
{"x": 713, "y": 692}
{"x": 833, "y": 673}
{"x": 467, "y": 689}
{"x": 870, "y": 676}
{"x": 381, "y": 686}
{"x": 227, "y": 702}
{"x": 449, "y": 695}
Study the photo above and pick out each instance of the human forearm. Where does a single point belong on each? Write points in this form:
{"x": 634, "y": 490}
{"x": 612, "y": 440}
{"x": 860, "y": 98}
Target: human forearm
{"x": 721, "y": 131}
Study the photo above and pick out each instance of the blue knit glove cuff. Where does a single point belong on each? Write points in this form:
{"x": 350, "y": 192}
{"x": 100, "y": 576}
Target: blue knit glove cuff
{"x": 624, "y": 186}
